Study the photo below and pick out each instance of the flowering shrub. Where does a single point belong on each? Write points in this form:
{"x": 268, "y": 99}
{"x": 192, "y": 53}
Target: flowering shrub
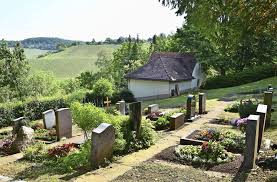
{"x": 231, "y": 141}
{"x": 241, "y": 124}
{"x": 210, "y": 153}
{"x": 61, "y": 150}
{"x": 207, "y": 135}
{"x": 5, "y": 146}
{"x": 154, "y": 116}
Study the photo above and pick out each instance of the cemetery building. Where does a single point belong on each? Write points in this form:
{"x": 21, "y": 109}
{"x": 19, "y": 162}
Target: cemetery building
{"x": 166, "y": 74}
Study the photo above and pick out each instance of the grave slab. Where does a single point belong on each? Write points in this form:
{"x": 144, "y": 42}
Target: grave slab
{"x": 153, "y": 108}
{"x": 103, "y": 139}
{"x": 63, "y": 123}
{"x": 176, "y": 120}
{"x": 49, "y": 119}
{"x": 191, "y": 105}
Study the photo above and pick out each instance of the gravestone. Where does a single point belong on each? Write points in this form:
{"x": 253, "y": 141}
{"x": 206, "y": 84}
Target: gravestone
{"x": 17, "y": 124}
{"x": 202, "y": 103}
{"x": 135, "y": 115}
{"x": 24, "y": 137}
{"x": 63, "y": 123}
{"x": 191, "y": 105}
{"x": 107, "y": 102}
{"x": 261, "y": 110}
{"x": 268, "y": 101}
{"x": 252, "y": 133}
{"x": 176, "y": 120}
{"x": 103, "y": 139}
{"x": 120, "y": 106}
{"x": 153, "y": 108}
{"x": 49, "y": 119}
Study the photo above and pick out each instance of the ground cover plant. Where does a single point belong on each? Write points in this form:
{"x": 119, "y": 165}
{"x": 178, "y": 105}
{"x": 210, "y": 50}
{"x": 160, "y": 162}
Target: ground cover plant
{"x": 210, "y": 153}
{"x": 233, "y": 142}
{"x": 87, "y": 117}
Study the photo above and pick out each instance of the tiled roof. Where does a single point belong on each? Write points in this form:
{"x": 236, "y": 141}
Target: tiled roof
{"x": 167, "y": 66}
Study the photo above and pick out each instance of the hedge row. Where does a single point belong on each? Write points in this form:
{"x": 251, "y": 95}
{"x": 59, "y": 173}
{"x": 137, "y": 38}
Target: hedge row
{"x": 32, "y": 109}
{"x": 243, "y": 77}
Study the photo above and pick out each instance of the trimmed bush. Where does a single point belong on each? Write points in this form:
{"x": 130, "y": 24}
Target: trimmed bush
{"x": 125, "y": 94}
{"x": 33, "y": 109}
{"x": 239, "y": 78}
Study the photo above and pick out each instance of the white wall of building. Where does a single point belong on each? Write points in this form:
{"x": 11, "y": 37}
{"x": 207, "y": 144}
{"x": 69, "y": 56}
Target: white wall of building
{"x": 183, "y": 85}
{"x": 198, "y": 75}
{"x": 148, "y": 88}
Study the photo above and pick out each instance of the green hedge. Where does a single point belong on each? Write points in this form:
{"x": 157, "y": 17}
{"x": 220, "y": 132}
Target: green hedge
{"x": 242, "y": 77}
{"x": 33, "y": 109}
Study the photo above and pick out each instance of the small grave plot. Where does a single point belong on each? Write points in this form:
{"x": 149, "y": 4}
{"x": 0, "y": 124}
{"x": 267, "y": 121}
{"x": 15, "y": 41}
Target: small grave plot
{"x": 47, "y": 136}
{"x": 206, "y": 156}
{"x": 231, "y": 141}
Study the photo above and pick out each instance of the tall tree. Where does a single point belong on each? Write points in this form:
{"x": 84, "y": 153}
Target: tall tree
{"x": 14, "y": 68}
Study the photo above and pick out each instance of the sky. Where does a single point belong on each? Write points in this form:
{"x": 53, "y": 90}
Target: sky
{"x": 85, "y": 19}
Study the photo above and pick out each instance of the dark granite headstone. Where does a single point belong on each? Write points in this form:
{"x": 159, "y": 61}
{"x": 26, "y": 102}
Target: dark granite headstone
{"x": 261, "y": 110}
{"x": 103, "y": 139}
{"x": 17, "y": 124}
{"x": 191, "y": 105}
{"x": 252, "y": 133}
{"x": 268, "y": 101}
{"x": 63, "y": 123}
{"x": 202, "y": 103}
{"x": 135, "y": 115}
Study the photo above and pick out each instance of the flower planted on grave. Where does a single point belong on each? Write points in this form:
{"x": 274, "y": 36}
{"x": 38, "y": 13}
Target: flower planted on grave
{"x": 210, "y": 153}
{"x": 209, "y": 134}
{"x": 241, "y": 124}
{"x": 61, "y": 150}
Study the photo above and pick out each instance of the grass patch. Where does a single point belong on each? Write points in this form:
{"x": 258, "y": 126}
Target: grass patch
{"x": 72, "y": 61}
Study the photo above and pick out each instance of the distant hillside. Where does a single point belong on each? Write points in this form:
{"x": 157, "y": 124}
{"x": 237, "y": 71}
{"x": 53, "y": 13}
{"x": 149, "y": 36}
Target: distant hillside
{"x": 72, "y": 61}
{"x": 43, "y": 43}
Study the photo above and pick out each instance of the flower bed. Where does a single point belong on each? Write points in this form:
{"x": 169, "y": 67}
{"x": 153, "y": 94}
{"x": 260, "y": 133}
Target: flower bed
{"x": 231, "y": 141}
{"x": 209, "y": 153}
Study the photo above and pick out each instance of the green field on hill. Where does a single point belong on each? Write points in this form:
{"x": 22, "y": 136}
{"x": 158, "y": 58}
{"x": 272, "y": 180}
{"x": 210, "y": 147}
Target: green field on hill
{"x": 71, "y": 62}
{"x": 33, "y": 53}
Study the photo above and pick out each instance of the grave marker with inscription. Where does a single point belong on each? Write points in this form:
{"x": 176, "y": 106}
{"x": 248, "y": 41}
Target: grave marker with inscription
{"x": 135, "y": 115}
{"x": 49, "y": 119}
{"x": 63, "y": 123}
{"x": 252, "y": 134}
{"x": 103, "y": 139}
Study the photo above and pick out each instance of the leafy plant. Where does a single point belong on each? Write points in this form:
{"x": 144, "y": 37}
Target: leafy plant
{"x": 247, "y": 107}
{"x": 207, "y": 135}
{"x": 210, "y": 153}
{"x": 161, "y": 124}
{"x": 103, "y": 88}
{"x": 232, "y": 107}
{"x": 61, "y": 150}
{"x": 35, "y": 152}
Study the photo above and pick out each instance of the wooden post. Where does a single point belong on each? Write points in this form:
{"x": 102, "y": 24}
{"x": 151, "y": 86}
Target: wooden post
{"x": 261, "y": 110}
{"x": 252, "y": 132}
{"x": 268, "y": 101}
{"x": 135, "y": 116}
{"x": 107, "y": 102}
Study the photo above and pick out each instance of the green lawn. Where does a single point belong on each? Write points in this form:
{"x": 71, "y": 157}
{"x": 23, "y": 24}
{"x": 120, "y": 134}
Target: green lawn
{"x": 34, "y": 53}
{"x": 72, "y": 61}
{"x": 214, "y": 93}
